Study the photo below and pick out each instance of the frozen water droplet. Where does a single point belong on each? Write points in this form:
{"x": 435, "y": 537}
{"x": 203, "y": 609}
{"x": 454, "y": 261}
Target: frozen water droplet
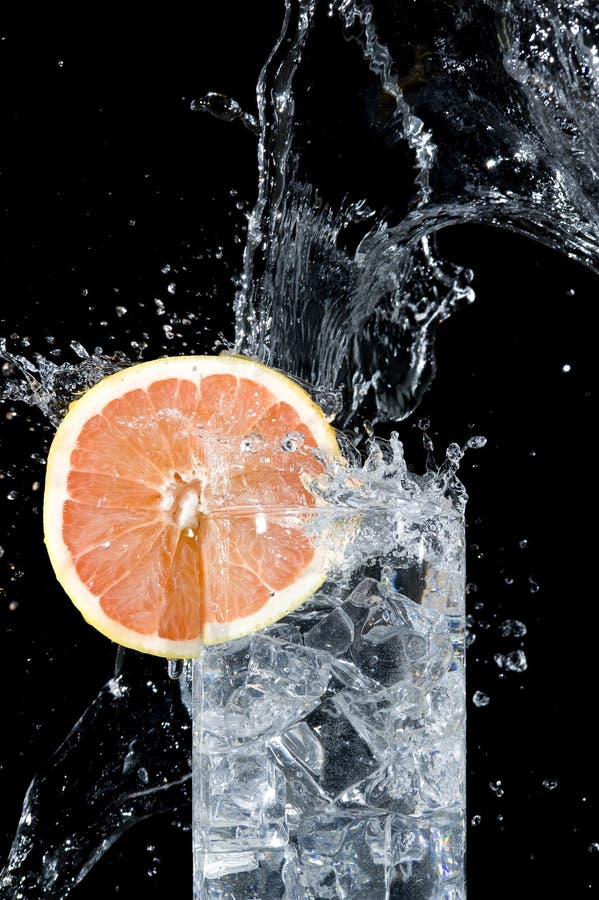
{"x": 424, "y": 424}
{"x": 523, "y": 544}
{"x": 251, "y": 443}
{"x": 142, "y": 774}
{"x": 533, "y": 587}
{"x": 120, "y": 311}
{"x": 479, "y": 698}
{"x": 172, "y": 288}
{"x": 475, "y": 821}
{"x": 12, "y": 495}
{"x": 594, "y": 847}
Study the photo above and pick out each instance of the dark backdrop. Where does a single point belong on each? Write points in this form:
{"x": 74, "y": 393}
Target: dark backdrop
{"x": 111, "y": 190}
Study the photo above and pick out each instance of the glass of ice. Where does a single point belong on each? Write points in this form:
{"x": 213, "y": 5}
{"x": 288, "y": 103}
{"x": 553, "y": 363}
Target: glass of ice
{"x": 329, "y": 748}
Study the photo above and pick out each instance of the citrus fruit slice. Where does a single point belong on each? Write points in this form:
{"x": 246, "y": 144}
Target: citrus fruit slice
{"x": 176, "y": 502}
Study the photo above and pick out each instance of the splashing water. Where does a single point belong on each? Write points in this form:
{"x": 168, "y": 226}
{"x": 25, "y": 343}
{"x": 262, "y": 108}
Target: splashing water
{"x": 488, "y": 114}
{"x": 350, "y": 290}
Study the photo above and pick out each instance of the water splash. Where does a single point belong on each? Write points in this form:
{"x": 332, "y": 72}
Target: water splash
{"x": 496, "y": 106}
{"x": 126, "y": 758}
{"x": 51, "y": 386}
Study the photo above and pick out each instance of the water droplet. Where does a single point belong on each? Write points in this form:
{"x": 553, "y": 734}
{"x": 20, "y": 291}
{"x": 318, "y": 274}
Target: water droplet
{"x": 550, "y": 784}
{"x": 533, "y": 586}
{"x": 512, "y": 628}
{"x": 175, "y": 668}
{"x": 424, "y": 424}
{"x": 566, "y": 367}
{"x": 523, "y": 544}
{"x": 120, "y": 311}
{"x": 475, "y": 821}
{"x": 79, "y": 349}
{"x": 251, "y": 443}
{"x": 12, "y": 495}
{"x": 479, "y": 698}
{"x": 1, "y": 552}
{"x": 143, "y": 776}
{"x": 476, "y": 442}
{"x": 454, "y": 453}
{"x": 516, "y": 661}
{"x": 497, "y": 788}
{"x": 594, "y": 847}
{"x": 172, "y": 288}
{"x": 293, "y": 440}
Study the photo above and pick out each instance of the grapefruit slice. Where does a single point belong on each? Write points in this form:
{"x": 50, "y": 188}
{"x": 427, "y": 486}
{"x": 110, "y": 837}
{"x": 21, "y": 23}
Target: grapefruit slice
{"x": 175, "y": 505}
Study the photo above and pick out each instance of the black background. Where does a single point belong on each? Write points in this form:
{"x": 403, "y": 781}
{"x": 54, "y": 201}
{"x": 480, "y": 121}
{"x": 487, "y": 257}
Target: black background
{"x": 107, "y": 177}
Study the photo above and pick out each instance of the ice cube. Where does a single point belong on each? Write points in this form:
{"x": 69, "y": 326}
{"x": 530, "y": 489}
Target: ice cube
{"x": 256, "y": 875}
{"x": 217, "y": 865}
{"x": 284, "y": 631}
{"x": 283, "y": 682}
{"x": 334, "y": 633}
{"x": 305, "y": 746}
{"x": 348, "y": 758}
{"x": 395, "y": 787}
{"x": 385, "y": 719}
{"x": 243, "y": 796}
{"x": 304, "y": 794}
{"x": 402, "y": 641}
{"x": 342, "y": 856}
{"x": 219, "y": 672}
{"x": 308, "y": 882}
{"x": 408, "y": 841}
{"x": 346, "y": 674}
{"x": 289, "y": 668}
{"x": 427, "y": 853}
{"x": 368, "y": 593}
{"x": 441, "y": 766}
{"x": 447, "y": 705}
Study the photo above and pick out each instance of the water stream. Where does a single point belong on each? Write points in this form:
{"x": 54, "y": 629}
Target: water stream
{"x": 481, "y": 114}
